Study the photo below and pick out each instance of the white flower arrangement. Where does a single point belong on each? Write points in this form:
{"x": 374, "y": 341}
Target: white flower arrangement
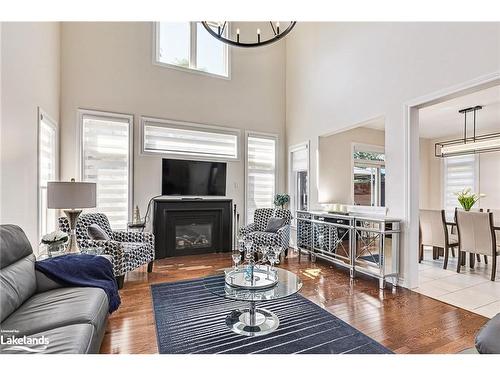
{"x": 55, "y": 237}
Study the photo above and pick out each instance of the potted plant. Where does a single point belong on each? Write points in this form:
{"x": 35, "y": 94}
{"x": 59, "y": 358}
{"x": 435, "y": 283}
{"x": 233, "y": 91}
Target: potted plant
{"x": 281, "y": 200}
{"x": 467, "y": 199}
{"x": 54, "y": 241}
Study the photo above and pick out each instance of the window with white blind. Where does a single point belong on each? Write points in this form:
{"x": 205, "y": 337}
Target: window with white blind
{"x": 47, "y": 171}
{"x": 188, "y": 139}
{"x": 460, "y": 172}
{"x": 299, "y": 178}
{"x": 260, "y": 172}
{"x": 106, "y": 160}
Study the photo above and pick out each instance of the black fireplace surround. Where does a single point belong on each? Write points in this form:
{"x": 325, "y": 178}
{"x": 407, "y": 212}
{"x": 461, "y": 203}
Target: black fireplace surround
{"x": 184, "y": 226}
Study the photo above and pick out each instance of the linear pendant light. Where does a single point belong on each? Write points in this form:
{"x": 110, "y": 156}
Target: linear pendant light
{"x": 468, "y": 145}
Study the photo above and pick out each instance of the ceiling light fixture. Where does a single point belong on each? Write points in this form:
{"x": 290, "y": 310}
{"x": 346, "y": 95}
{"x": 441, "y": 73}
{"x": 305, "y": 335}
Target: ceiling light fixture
{"x": 218, "y": 31}
{"x": 468, "y": 145}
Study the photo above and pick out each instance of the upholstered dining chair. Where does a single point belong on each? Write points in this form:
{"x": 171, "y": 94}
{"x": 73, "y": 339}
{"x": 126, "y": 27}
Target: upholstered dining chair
{"x": 434, "y": 232}
{"x": 129, "y": 250}
{"x": 454, "y": 231}
{"x": 496, "y": 216}
{"x": 256, "y": 231}
{"x": 477, "y": 235}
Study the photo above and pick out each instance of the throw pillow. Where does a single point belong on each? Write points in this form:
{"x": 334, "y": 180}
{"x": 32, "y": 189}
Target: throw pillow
{"x": 95, "y": 232}
{"x": 274, "y": 224}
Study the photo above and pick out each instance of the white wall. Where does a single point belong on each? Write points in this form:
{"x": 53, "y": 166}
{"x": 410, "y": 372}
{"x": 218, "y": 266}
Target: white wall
{"x": 30, "y": 78}
{"x": 108, "y": 66}
{"x": 489, "y": 181}
{"x": 431, "y": 176}
{"x": 340, "y": 74}
{"x": 335, "y": 162}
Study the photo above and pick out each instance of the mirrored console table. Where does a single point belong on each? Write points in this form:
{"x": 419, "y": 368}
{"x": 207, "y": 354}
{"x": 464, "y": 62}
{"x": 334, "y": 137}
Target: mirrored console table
{"x": 367, "y": 245}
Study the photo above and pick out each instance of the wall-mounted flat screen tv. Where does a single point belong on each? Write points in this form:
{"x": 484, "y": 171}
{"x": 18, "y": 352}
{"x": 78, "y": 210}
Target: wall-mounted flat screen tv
{"x": 191, "y": 177}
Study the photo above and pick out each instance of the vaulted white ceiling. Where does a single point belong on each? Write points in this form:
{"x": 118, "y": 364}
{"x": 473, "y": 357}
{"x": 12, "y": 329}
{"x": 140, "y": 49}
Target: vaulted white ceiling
{"x": 443, "y": 120}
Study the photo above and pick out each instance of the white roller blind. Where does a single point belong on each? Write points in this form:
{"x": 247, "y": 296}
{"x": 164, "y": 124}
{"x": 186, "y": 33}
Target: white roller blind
{"x": 261, "y": 173}
{"x": 106, "y": 161}
{"x": 299, "y": 159}
{"x": 47, "y": 171}
{"x": 190, "y": 141}
{"x": 459, "y": 173}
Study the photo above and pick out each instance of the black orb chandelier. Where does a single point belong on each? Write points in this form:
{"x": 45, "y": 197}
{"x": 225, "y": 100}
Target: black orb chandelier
{"x": 219, "y": 31}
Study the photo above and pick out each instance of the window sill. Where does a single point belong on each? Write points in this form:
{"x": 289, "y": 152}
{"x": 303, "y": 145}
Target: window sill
{"x": 191, "y": 70}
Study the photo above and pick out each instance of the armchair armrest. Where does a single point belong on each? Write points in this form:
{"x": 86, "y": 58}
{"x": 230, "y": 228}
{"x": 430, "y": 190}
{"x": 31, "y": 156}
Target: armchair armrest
{"x": 110, "y": 246}
{"x": 243, "y": 231}
{"x": 284, "y": 235}
{"x": 146, "y": 237}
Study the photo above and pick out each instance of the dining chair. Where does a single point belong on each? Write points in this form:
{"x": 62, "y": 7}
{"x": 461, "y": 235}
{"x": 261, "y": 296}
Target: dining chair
{"x": 476, "y": 235}
{"x": 478, "y": 257}
{"x": 496, "y": 216}
{"x": 434, "y": 232}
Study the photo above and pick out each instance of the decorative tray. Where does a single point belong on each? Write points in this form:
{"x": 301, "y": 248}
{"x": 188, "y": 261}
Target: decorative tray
{"x": 252, "y": 277}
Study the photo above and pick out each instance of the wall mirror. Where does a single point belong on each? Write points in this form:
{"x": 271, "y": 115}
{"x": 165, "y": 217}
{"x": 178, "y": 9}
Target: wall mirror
{"x": 351, "y": 166}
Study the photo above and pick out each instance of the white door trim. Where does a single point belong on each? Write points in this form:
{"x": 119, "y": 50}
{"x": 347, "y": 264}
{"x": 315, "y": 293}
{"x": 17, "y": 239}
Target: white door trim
{"x": 412, "y": 173}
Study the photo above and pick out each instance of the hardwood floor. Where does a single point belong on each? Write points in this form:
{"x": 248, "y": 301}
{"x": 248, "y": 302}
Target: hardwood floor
{"x": 405, "y": 322}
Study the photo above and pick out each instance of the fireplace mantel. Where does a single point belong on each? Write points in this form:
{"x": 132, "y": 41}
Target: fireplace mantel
{"x": 190, "y": 226}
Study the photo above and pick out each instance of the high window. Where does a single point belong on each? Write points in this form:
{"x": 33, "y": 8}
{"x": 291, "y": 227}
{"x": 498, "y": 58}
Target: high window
{"x": 460, "y": 172}
{"x": 106, "y": 157}
{"x": 260, "y": 172}
{"x": 183, "y": 139}
{"x": 187, "y": 45}
{"x": 47, "y": 170}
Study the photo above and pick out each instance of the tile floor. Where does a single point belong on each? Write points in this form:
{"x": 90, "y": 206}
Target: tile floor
{"x": 471, "y": 289}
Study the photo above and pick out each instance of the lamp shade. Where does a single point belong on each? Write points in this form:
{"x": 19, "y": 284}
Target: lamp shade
{"x": 65, "y": 195}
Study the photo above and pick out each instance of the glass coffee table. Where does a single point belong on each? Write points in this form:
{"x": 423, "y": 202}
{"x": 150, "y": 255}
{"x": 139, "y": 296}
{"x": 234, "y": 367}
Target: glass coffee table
{"x": 253, "y": 321}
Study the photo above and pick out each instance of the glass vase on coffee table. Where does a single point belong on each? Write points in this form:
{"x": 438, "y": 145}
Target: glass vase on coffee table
{"x": 236, "y": 256}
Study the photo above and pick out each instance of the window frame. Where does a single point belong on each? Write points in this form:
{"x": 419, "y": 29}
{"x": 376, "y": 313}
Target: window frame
{"x": 81, "y": 112}
{"x": 292, "y": 181}
{"x": 189, "y": 126}
{"x": 444, "y": 181}
{"x": 364, "y": 147}
{"x": 192, "y": 49}
{"x": 41, "y": 116}
{"x": 275, "y": 137}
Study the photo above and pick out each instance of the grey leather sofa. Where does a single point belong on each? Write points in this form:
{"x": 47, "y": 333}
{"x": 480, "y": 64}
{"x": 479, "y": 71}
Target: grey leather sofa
{"x": 488, "y": 338}
{"x": 70, "y": 320}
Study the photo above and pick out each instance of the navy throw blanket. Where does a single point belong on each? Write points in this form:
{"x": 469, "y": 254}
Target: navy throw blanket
{"x": 83, "y": 270}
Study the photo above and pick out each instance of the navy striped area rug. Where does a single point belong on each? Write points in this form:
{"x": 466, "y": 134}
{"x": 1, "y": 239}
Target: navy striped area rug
{"x": 190, "y": 319}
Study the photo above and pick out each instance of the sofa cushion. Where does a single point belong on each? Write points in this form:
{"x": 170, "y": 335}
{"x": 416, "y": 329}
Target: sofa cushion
{"x": 17, "y": 284}
{"x": 72, "y": 339}
{"x": 274, "y": 224}
{"x": 488, "y": 338}
{"x": 14, "y": 245}
{"x": 17, "y": 269}
{"x": 95, "y": 232}
{"x": 59, "y": 307}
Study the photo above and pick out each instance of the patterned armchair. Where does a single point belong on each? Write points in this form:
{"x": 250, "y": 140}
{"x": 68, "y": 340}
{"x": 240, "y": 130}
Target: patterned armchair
{"x": 256, "y": 231}
{"x": 128, "y": 249}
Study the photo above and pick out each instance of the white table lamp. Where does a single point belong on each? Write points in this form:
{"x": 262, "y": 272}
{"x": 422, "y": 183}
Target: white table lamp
{"x": 71, "y": 197}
